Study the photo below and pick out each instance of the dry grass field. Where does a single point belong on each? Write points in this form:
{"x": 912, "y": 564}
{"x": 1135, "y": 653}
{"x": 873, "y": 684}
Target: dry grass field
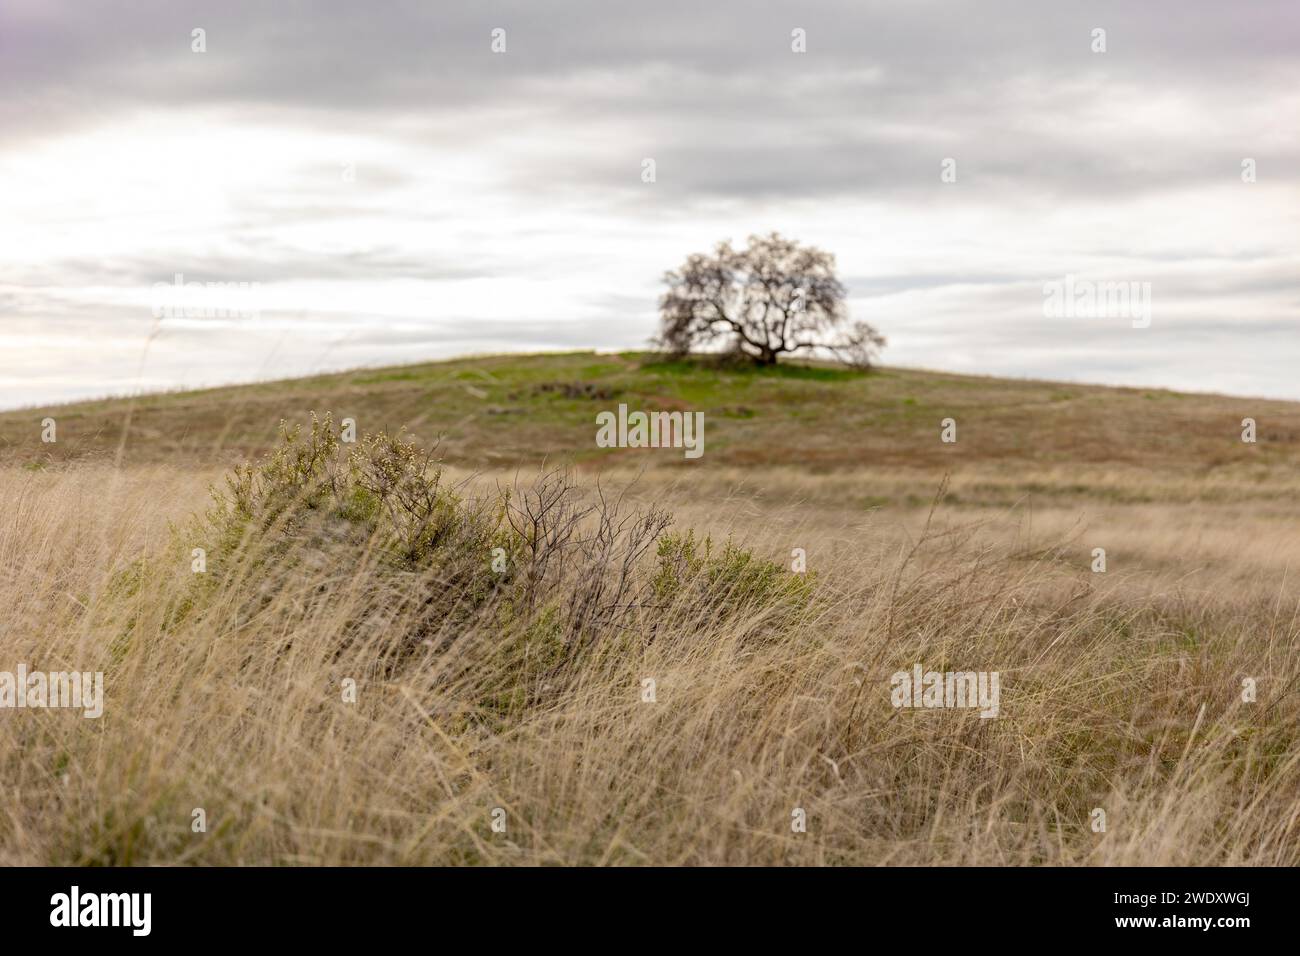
{"x": 389, "y": 660}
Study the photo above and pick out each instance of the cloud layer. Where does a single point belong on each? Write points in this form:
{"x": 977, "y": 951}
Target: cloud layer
{"x": 400, "y": 192}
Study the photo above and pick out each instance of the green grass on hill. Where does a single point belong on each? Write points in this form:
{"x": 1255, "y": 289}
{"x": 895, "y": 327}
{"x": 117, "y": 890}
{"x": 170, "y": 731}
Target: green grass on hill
{"x": 518, "y": 410}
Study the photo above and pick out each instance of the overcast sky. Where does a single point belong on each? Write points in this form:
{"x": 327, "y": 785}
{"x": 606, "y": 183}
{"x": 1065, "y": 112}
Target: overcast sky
{"x": 400, "y": 192}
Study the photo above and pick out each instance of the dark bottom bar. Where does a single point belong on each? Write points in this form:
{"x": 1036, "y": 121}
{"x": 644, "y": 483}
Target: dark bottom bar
{"x": 335, "y": 906}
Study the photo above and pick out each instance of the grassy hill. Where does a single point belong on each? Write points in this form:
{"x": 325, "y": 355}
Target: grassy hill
{"x": 502, "y": 412}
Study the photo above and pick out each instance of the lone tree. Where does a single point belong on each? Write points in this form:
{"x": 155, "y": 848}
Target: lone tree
{"x": 771, "y": 297}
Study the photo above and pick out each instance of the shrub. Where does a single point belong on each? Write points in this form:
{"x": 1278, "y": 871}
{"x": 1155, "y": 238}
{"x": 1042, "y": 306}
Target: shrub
{"x": 732, "y": 580}
{"x": 533, "y": 564}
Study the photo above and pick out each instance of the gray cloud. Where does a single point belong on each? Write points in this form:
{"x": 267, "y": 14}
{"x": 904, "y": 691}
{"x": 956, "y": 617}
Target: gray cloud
{"x": 882, "y": 87}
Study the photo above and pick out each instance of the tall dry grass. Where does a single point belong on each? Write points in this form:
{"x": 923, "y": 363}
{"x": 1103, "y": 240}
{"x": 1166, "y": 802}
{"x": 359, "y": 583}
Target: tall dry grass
{"x": 523, "y": 692}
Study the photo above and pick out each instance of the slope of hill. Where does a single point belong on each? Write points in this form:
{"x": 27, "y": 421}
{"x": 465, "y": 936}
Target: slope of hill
{"x": 1013, "y": 437}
